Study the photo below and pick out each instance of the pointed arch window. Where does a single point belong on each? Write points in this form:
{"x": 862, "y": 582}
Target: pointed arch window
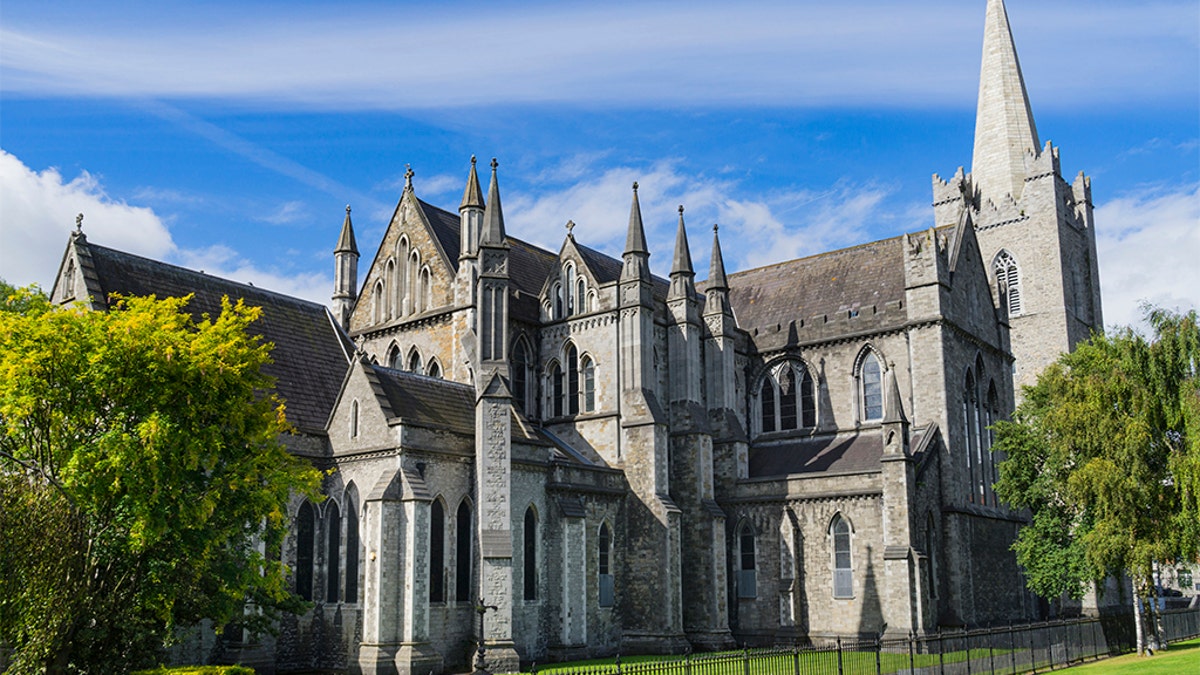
{"x": 437, "y": 552}
{"x": 970, "y": 406}
{"x": 304, "y": 551}
{"x": 572, "y": 380}
{"x": 333, "y": 542}
{"x": 607, "y": 590}
{"x": 588, "y": 372}
{"x": 871, "y": 387}
{"x": 426, "y": 294}
{"x": 463, "y": 553}
{"x": 377, "y": 302}
{"x": 433, "y": 369}
{"x": 402, "y": 254}
{"x": 991, "y": 413}
{"x": 352, "y": 545}
{"x": 393, "y": 357}
{"x": 392, "y": 310}
{"x": 843, "y": 570}
{"x": 414, "y": 362}
{"x": 521, "y": 376}
{"x": 354, "y": 419}
{"x": 931, "y": 553}
{"x": 787, "y": 399}
{"x": 569, "y": 279}
{"x": 747, "y": 562}
{"x": 556, "y": 390}
{"x": 558, "y": 301}
{"x": 529, "y": 537}
{"x": 581, "y": 295}
{"x": 1008, "y": 280}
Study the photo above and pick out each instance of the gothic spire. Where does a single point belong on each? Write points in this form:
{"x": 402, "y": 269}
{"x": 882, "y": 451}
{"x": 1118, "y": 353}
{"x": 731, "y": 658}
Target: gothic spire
{"x": 1004, "y": 128}
{"x": 716, "y": 268}
{"x": 472, "y": 195}
{"x": 683, "y": 256}
{"x": 493, "y": 217}
{"x": 682, "y": 274}
{"x": 893, "y": 407}
{"x": 635, "y": 240}
{"x": 346, "y": 243}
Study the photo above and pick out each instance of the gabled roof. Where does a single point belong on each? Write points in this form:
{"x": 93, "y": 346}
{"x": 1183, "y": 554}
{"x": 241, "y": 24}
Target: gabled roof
{"x": 310, "y": 355}
{"x": 825, "y": 284}
{"x": 445, "y": 226}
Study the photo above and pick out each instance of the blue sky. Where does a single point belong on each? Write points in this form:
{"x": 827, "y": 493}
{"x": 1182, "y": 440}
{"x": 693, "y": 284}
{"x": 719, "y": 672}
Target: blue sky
{"x": 230, "y": 136}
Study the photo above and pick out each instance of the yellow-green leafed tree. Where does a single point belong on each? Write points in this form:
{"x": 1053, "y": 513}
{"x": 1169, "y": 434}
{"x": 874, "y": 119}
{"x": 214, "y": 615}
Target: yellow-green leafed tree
{"x": 141, "y": 476}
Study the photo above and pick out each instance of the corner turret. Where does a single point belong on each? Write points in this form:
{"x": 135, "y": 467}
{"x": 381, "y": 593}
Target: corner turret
{"x": 345, "y": 273}
{"x": 636, "y": 256}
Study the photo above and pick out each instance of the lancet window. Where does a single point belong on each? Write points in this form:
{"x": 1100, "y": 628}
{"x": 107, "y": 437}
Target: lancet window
{"x": 787, "y": 399}
{"x": 1008, "y": 280}
{"x": 843, "y": 568}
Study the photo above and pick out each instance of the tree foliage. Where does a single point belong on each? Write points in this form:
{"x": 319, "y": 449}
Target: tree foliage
{"x": 1105, "y": 453}
{"x": 141, "y": 470}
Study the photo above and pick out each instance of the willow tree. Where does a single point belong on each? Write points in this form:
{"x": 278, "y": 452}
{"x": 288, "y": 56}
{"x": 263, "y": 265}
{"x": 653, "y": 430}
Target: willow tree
{"x": 141, "y": 471}
{"x": 1105, "y": 452}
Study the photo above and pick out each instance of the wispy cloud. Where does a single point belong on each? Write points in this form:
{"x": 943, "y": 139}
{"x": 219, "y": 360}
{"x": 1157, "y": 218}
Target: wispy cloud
{"x": 37, "y": 214}
{"x": 774, "y": 53}
{"x": 1148, "y": 241}
{"x": 286, "y": 213}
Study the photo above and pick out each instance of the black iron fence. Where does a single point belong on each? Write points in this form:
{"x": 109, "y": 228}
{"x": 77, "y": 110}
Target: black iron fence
{"x": 1029, "y": 648}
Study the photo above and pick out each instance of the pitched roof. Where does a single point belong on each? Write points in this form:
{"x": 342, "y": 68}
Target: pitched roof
{"x": 843, "y": 453}
{"x": 825, "y": 284}
{"x": 310, "y": 354}
{"x": 445, "y": 226}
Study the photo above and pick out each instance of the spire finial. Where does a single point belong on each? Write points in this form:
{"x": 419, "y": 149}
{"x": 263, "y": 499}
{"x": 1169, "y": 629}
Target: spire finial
{"x": 715, "y": 228}
{"x": 716, "y": 267}
{"x": 472, "y": 194}
{"x": 635, "y": 186}
{"x": 635, "y": 237}
{"x": 570, "y": 228}
{"x": 347, "y": 209}
{"x": 408, "y": 176}
{"x": 494, "y": 164}
{"x": 79, "y": 224}
{"x": 682, "y": 262}
{"x": 472, "y": 160}
{"x": 493, "y": 216}
{"x": 346, "y": 242}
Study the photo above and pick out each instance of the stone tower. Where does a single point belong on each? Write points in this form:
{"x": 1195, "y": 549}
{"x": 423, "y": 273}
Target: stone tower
{"x": 493, "y": 436}
{"x": 345, "y": 273}
{"x": 1034, "y": 229}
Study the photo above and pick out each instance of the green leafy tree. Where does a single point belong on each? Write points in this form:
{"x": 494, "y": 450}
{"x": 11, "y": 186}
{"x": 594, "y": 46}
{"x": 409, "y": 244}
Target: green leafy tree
{"x": 141, "y": 474}
{"x": 1105, "y": 453}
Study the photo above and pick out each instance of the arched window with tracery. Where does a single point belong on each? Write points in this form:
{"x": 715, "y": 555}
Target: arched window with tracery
{"x": 843, "y": 563}
{"x": 304, "y": 550}
{"x": 588, "y": 374}
{"x": 1008, "y": 280}
{"x": 572, "y": 380}
{"x": 787, "y": 399}
{"x": 747, "y": 581}
{"x": 871, "y": 387}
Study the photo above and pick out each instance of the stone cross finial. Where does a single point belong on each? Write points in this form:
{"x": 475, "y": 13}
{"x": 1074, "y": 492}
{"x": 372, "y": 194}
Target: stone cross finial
{"x": 79, "y": 224}
{"x": 408, "y": 176}
{"x": 715, "y": 228}
{"x": 347, "y": 209}
{"x": 494, "y": 164}
{"x": 570, "y": 227}
{"x": 472, "y": 160}
{"x": 635, "y": 186}
{"x": 681, "y": 209}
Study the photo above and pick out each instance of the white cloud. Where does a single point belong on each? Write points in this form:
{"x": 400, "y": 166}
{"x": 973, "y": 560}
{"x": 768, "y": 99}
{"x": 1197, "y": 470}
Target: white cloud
{"x": 798, "y": 53}
{"x": 285, "y": 214}
{"x": 1148, "y": 244}
{"x": 37, "y": 214}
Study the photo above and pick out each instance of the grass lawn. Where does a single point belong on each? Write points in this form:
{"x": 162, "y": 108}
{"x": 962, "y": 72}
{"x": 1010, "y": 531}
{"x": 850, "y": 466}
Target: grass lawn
{"x": 1182, "y": 657}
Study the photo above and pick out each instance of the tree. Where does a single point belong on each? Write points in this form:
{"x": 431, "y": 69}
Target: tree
{"x": 141, "y": 470}
{"x": 1105, "y": 453}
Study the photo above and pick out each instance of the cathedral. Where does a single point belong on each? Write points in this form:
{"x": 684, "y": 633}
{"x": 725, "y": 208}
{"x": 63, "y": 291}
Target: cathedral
{"x": 574, "y": 457}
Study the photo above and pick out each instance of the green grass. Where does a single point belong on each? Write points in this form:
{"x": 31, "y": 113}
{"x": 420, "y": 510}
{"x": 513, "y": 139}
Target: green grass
{"x": 1182, "y": 657}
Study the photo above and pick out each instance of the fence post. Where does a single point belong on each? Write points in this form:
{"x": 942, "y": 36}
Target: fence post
{"x": 1032, "y": 651}
{"x": 991, "y": 649}
{"x": 618, "y": 662}
{"x": 687, "y": 662}
{"x": 839, "y": 654}
{"x": 746, "y": 656}
{"x": 966, "y": 635}
{"x": 1012, "y": 640}
{"x": 912, "y": 648}
{"x": 796, "y": 657}
{"x": 941, "y": 657}
{"x": 878, "y": 649}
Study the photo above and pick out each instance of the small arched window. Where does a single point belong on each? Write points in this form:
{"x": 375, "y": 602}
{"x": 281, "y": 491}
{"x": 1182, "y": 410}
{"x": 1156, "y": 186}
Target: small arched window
{"x": 304, "y": 551}
{"x": 437, "y": 552}
{"x": 588, "y": 370}
{"x": 558, "y": 301}
{"x": 604, "y": 566}
{"x": 580, "y": 295}
{"x": 931, "y": 552}
{"x": 767, "y": 401}
{"x": 787, "y": 399}
{"x": 402, "y": 274}
{"x": 843, "y": 574}
{"x": 377, "y": 303}
{"x": 572, "y": 380}
{"x": 970, "y": 410}
{"x": 414, "y": 361}
{"x": 463, "y": 560}
{"x": 569, "y": 284}
{"x": 1008, "y": 280}
{"x": 433, "y": 369}
{"x": 333, "y": 542}
{"x": 392, "y": 309}
{"x": 393, "y": 356}
{"x": 871, "y": 378}
{"x": 354, "y": 419}
{"x": 426, "y": 290}
{"x": 530, "y": 552}
{"x": 747, "y": 562}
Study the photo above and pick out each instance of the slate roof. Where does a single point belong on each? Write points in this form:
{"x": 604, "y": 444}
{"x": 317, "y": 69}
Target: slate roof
{"x": 825, "y": 284}
{"x": 310, "y": 353}
{"x": 439, "y": 404}
{"x": 445, "y": 226}
{"x": 843, "y": 453}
